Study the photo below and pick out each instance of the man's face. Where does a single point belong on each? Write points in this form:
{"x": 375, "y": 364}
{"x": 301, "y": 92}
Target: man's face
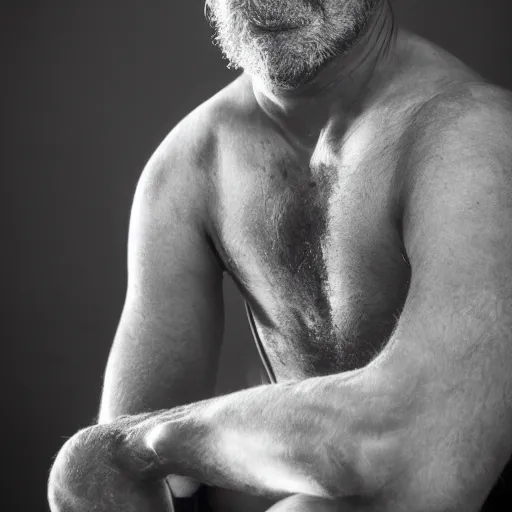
{"x": 286, "y": 42}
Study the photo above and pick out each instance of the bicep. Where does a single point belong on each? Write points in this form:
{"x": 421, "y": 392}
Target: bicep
{"x": 168, "y": 339}
{"x": 455, "y": 333}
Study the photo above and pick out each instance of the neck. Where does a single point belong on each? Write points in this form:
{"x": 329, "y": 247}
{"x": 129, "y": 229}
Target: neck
{"x": 340, "y": 87}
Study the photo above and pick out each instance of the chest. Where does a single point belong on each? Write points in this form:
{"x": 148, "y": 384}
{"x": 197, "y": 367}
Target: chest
{"x": 316, "y": 250}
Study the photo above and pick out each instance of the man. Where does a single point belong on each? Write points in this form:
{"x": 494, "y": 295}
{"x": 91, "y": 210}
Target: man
{"x": 355, "y": 183}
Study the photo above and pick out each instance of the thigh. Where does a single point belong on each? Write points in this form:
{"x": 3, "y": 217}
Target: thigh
{"x": 196, "y": 503}
{"x": 303, "y": 503}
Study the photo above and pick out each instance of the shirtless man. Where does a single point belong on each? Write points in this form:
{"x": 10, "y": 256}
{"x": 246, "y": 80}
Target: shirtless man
{"x": 355, "y": 181}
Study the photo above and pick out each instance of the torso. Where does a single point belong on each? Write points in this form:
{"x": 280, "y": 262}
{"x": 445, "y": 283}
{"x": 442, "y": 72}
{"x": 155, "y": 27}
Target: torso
{"x": 315, "y": 247}
{"x": 314, "y": 243}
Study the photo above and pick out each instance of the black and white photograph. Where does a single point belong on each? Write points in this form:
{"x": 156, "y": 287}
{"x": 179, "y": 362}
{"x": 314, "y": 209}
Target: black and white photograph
{"x": 257, "y": 255}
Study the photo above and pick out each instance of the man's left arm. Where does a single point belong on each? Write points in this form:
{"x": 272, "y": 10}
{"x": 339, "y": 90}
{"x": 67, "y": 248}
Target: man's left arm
{"x": 426, "y": 426}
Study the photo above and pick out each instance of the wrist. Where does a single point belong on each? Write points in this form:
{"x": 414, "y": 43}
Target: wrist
{"x": 177, "y": 443}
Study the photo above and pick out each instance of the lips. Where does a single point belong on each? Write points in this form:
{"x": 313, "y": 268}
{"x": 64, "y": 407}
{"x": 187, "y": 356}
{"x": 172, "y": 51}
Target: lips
{"x": 276, "y": 27}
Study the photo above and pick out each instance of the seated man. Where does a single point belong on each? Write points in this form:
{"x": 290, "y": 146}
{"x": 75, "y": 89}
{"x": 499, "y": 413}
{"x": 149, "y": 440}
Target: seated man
{"x": 355, "y": 182}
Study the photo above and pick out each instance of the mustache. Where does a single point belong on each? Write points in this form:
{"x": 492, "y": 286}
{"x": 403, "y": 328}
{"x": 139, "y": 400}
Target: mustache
{"x": 264, "y": 12}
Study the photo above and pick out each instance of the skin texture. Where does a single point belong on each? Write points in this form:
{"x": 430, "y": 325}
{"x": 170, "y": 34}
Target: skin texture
{"x": 365, "y": 216}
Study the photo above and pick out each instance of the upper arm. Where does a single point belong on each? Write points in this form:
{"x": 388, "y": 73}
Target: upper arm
{"x": 168, "y": 339}
{"x": 453, "y": 341}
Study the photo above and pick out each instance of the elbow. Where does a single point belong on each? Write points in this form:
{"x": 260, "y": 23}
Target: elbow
{"x": 372, "y": 468}
{"x": 399, "y": 453}
{"x": 361, "y": 464}
{"x": 379, "y": 463}
{"x": 373, "y": 443}
{"x": 403, "y": 468}
{"x": 399, "y": 479}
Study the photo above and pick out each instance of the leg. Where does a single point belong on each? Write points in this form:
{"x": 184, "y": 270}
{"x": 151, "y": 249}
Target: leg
{"x": 303, "y": 503}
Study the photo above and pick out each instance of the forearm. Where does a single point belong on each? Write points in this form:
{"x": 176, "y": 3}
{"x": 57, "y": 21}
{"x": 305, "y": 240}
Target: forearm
{"x": 314, "y": 437}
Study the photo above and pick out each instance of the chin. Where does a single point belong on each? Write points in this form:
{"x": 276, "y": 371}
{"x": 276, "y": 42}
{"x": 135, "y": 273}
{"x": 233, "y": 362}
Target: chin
{"x": 287, "y": 74}
{"x": 288, "y": 83}
{"x": 283, "y": 66}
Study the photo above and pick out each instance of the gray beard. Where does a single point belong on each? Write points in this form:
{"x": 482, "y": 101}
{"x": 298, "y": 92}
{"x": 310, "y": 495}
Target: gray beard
{"x": 287, "y": 60}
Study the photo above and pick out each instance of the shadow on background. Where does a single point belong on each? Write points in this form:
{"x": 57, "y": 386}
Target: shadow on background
{"x": 88, "y": 91}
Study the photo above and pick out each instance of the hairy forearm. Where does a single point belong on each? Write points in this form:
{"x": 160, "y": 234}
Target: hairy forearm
{"x": 319, "y": 437}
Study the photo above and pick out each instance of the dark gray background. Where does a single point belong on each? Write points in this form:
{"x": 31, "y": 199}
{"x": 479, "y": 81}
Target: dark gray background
{"x": 88, "y": 90}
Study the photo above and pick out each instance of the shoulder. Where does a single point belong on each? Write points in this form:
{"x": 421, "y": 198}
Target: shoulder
{"x": 469, "y": 108}
{"x": 447, "y": 105}
{"x": 458, "y": 161}
{"x": 462, "y": 133}
{"x": 186, "y": 161}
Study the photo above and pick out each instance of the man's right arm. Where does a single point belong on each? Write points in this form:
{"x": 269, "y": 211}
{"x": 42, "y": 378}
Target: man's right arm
{"x": 167, "y": 344}
{"x": 168, "y": 340}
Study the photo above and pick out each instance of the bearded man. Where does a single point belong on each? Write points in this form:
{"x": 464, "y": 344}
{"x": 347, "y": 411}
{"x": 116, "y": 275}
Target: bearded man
{"x": 355, "y": 182}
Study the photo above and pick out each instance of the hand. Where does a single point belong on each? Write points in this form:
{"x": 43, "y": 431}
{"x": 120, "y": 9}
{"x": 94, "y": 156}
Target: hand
{"x": 87, "y": 476}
